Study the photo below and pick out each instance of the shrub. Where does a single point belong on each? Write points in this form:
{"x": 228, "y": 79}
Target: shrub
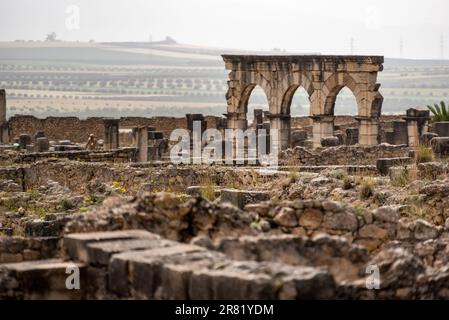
{"x": 67, "y": 204}
{"x": 366, "y": 188}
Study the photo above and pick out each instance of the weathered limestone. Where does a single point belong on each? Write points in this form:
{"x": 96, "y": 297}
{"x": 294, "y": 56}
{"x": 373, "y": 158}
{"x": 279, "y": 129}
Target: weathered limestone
{"x": 111, "y": 134}
{"x": 330, "y": 142}
{"x": 258, "y": 116}
{"x": 368, "y": 131}
{"x": 2, "y": 106}
{"x": 427, "y": 137}
{"x": 384, "y": 164}
{"x": 323, "y": 127}
{"x": 417, "y": 122}
{"x": 352, "y": 136}
{"x": 142, "y": 144}
{"x": 4, "y": 132}
{"x": 42, "y": 144}
{"x": 441, "y": 128}
{"x": 298, "y": 138}
{"x": 24, "y": 140}
{"x": 322, "y": 77}
{"x": 282, "y": 124}
{"x": 440, "y": 146}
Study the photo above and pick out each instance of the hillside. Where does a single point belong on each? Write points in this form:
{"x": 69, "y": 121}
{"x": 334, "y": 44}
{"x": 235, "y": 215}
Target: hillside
{"x": 167, "y": 78}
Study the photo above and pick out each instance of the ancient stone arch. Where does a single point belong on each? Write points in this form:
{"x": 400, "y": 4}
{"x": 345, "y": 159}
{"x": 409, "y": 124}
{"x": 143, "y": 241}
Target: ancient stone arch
{"x": 321, "y": 76}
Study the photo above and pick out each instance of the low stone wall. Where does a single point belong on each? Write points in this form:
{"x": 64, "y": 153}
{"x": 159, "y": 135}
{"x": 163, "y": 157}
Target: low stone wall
{"x": 364, "y": 227}
{"x": 117, "y": 155}
{"x": 341, "y": 155}
{"x": 78, "y": 176}
{"x": 78, "y": 130}
{"x": 344, "y": 122}
{"x": 18, "y": 249}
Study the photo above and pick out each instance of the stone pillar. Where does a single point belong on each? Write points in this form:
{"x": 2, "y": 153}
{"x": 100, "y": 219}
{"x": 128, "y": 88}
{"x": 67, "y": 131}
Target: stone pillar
{"x": 412, "y": 132}
{"x": 24, "y": 141}
{"x": 4, "y": 132}
{"x": 258, "y": 117}
{"x": 236, "y": 121}
{"x": 400, "y": 132}
{"x": 134, "y": 133}
{"x": 368, "y": 131}
{"x": 2, "y": 105}
{"x": 111, "y": 134}
{"x": 42, "y": 144}
{"x": 417, "y": 122}
{"x": 142, "y": 144}
{"x": 323, "y": 127}
{"x": 281, "y": 122}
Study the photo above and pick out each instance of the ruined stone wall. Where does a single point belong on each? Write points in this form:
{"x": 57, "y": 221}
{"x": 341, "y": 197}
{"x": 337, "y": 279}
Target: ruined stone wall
{"x": 342, "y": 155}
{"x": 344, "y": 122}
{"x": 78, "y": 130}
{"x": 18, "y": 249}
{"x": 77, "y": 175}
{"x": 117, "y": 155}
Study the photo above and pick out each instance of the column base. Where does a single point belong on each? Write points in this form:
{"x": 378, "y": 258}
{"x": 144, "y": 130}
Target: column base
{"x": 323, "y": 127}
{"x": 368, "y": 131}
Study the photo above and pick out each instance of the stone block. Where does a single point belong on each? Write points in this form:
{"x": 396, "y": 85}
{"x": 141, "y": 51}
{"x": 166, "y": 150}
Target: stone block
{"x": 400, "y": 132}
{"x": 298, "y": 135}
{"x": 440, "y": 146}
{"x": 75, "y": 244}
{"x": 330, "y": 142}
{"x": 42, "y": 144}
{"x": 240, "y": 198}
{"x": 155, "y": 135}
{"x": 441, "y": 128}
{"x": 427, "y": 137}
{"x": 99, "y": 253}
{"x": 24, "y": 141}
{"x": 384, "y": 164}
{"x": 46, "y": 279}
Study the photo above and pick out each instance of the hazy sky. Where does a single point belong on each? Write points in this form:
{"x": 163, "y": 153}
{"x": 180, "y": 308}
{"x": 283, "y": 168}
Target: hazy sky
{"x": 325, "y": 26}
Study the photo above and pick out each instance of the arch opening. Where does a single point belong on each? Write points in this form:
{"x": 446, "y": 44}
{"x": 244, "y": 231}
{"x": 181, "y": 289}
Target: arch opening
{"x": 296, "y": 101}
{"x": 345, "y": 103}
{"x": 255, "y": 99}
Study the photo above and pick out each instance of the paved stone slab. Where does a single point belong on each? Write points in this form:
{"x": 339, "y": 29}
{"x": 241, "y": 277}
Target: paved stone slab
{"x": 100, "y": 253}
{"x": 75, "y": 244}
{"x": 45, "y": 279}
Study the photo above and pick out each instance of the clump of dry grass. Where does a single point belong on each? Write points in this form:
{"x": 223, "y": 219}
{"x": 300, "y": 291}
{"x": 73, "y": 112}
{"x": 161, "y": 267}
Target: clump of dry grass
{"x": 207, "y": 189}
{"x": 405, "y": 175}
{"x": 424, "y": 154}
{"x": 366, "y": 188}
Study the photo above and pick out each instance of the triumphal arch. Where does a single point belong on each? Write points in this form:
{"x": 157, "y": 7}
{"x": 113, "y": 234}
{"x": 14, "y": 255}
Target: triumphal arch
{"x": 321, "y": 76}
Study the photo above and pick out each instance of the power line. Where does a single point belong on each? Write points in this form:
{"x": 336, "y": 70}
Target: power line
{"x": 442, "y": 46}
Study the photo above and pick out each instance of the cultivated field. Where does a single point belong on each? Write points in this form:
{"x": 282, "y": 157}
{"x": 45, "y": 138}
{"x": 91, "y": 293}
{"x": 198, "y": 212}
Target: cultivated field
{"x": 168, "y": 79}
